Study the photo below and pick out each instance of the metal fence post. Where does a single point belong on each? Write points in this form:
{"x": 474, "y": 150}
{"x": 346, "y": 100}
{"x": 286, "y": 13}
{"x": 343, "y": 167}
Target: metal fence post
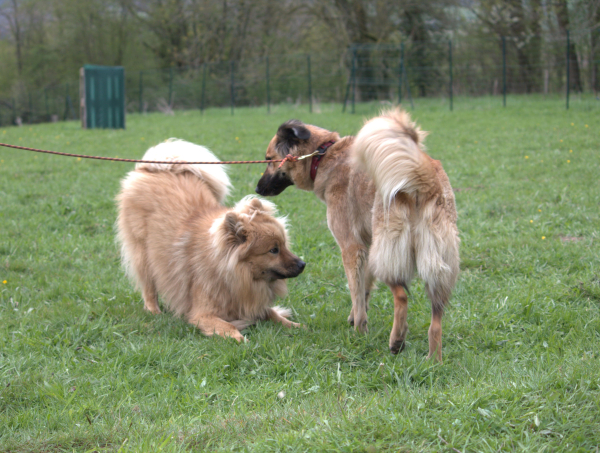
{"x": 66, "y": 101}
{"x": 310, "y": 109}
{"x": 354, "y": 81}
{"x": 141, "y": 92}
{"x": 46, "y": 102}
{"x": 268, "y": 87}
{"x": 504, "y": 71}
{"x": 406, "y": 84}
{"x": 231, "y": 63}
{"x": 171, "y": 87}
{"x": 450, "y": 61}
{"x": 401, "y": 72}
{"x": 202, "y": 98}
{"x": 568, "y": 68}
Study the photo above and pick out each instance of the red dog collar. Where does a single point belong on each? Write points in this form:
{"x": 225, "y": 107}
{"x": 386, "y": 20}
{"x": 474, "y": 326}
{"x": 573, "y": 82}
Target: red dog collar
{"x": 316, "y": 159}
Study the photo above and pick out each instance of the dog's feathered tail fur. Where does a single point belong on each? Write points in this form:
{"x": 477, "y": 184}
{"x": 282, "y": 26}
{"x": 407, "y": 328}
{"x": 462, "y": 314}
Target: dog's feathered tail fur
{"x": 176, "y": 150}
{"x": 389, "y": 149}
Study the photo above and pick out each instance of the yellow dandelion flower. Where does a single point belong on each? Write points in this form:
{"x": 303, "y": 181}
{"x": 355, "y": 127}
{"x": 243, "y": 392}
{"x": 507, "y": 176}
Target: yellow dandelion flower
{"x": 572, "y": 124}
{"x": 4, "y": 132}
{"x": 561, "y": 140}
{"x": 78, "y": 159}
{"x": 543, "y": 237}
{"x": 542, "y": 160}
{"x": 142, "y": 138}
{"x": 539, "y": 210}
{"x": 476, "y": 141}
{"x": 68, "y": 143}
{"x": 568, "y": 161}
{"x": 4, "y": 282}
{"x": 570, "y": 150}
{"x": 531, "y": 221}
{"x": 237, "y": 138}
{"x": 586, "y": 125}
{"x": 526, "y": 157}
{"x": 20, "y": 138}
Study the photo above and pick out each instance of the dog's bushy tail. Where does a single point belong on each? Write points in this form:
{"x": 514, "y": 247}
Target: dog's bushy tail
{"x": 181, "y": 151}
{"x": 388, "y": 149}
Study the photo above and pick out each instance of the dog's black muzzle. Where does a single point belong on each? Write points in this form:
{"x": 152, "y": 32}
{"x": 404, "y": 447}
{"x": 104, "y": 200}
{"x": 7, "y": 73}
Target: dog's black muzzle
{"x": 291, "y": 271}
{"x": 271, "y": 185}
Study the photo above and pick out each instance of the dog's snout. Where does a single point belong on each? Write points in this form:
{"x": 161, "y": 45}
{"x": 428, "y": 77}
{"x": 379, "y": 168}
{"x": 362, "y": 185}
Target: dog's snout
{"x": 301, "y": 265}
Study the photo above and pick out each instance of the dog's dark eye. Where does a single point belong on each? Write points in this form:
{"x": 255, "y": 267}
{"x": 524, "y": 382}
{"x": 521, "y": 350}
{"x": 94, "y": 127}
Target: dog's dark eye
{"x": 274, "y": 250}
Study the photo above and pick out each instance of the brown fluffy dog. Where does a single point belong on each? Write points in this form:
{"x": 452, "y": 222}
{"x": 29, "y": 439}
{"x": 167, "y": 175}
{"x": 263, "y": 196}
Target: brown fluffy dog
{"x": 220, "y": 268}
{"x": 390, "y": 208}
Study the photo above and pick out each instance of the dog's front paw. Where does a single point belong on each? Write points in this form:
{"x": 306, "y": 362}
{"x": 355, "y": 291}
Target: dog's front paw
{"x": 361, "y": 326}
{"x": 397, "y": 346}
{"x": 153, "y": 309}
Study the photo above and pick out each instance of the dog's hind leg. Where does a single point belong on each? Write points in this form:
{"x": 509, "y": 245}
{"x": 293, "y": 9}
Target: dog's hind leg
{"x": 137, "y": 265}
{"x": 400, "y": 327}
{"x": 210, "y": 325}
{"x": 355, "y": 259}
{"x": 438, "y": 266}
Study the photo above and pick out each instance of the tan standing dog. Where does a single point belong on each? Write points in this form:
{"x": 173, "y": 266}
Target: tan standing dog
{"x": 390, "y": 208}
{"x": 220, "y": 268}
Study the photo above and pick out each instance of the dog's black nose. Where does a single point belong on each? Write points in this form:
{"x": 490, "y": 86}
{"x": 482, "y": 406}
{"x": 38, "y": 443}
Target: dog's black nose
{"x": 301, "y": 265}
{"x": 257, "y": 190}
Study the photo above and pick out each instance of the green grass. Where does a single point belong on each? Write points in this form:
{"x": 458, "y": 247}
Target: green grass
{"x": 84, "y": 368}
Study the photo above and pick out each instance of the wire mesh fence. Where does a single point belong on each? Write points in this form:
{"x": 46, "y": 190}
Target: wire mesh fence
{"x": 558, "y": 67}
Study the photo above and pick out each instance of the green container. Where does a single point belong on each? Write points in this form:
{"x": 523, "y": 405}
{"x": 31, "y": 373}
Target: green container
{"x": 102, "y": 97}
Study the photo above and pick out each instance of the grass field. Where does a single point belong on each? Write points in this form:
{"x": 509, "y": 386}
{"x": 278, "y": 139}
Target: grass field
{"x": 84, "y": 368}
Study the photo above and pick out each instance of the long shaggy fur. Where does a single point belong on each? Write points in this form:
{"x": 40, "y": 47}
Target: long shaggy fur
{"x": 209, "y": 263}
{"x": 418, "y": 228}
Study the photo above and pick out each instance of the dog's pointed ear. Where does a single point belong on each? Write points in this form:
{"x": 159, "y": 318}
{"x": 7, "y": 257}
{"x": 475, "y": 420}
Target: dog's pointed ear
{"x": 293, "y": 131}
{"x": 234, "y": 225}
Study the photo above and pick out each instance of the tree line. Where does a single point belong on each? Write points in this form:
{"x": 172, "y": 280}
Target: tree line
{"x": 45, "y": 42}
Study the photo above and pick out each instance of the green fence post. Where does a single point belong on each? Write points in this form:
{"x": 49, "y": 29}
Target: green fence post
{"x": 401, "y": 71}
{"x": 231, "y": 63}
{"x": 354, "y": 81}
{"x": 46, "y": 102}
{"x": 202, "y": 98}
{"x": 568, "y": 69}
{"x": 171, "y": 87}
{"x": 66, "y": 101}
{"x": 504, "y": 71}
{"x": 268, "y": 87}
{"x": 141, "y": 91}
{"x": 406, "y": 84}
{"x": 310, "y": 109}
{"x": 450, "y": 61}
{"x": 346, "y": 95}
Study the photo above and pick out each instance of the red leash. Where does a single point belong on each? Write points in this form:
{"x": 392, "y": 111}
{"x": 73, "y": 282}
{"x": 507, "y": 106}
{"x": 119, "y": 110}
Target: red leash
{"x": 288, "y": 158}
